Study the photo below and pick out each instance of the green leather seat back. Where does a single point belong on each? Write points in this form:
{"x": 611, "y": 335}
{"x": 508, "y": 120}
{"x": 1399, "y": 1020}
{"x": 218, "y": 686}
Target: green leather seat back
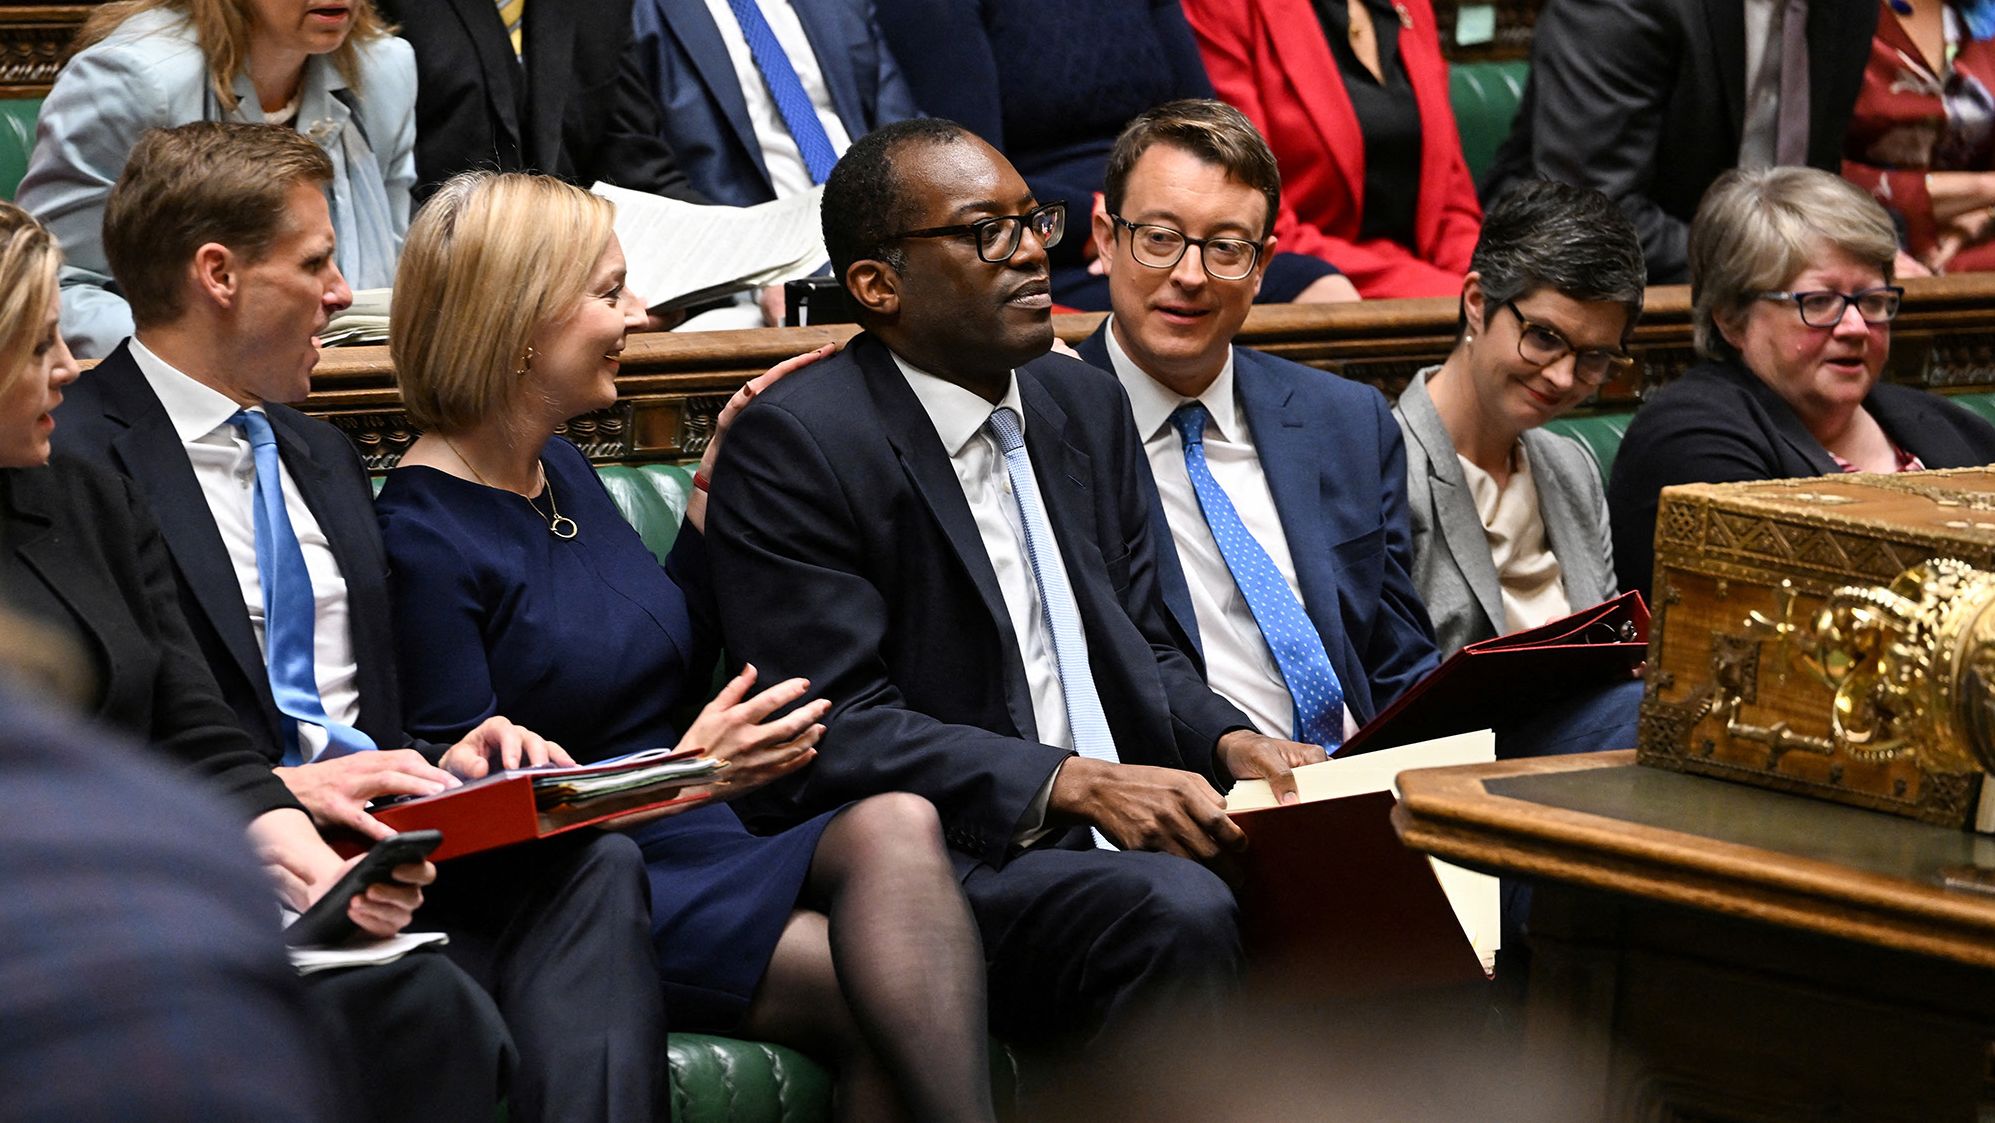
{"x": 1982, "y": 404}
{"x": 1600, "y": 433}
{"x": 724, "y": 1080}
{"x": 652, "y": 498}
{"x": 17, "y": 140}
{"x": 1485, "y": 97}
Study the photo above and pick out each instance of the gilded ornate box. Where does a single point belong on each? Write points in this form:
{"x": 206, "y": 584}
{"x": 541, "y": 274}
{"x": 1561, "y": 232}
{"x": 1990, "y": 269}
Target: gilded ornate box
{"x": 1741, "y": 684}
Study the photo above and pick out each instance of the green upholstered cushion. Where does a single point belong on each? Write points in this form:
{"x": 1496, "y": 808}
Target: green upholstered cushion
{"x": 1600, "y": 433}
{"x": 652, "y": 498}
{"x": 723, "y": 1080}
{"x": 1485, "y": 97}
{"x": 17, "y": 140}
{"x": 1982, "y": 404}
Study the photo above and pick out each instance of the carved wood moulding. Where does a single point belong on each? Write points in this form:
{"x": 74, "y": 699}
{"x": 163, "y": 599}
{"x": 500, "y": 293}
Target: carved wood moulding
{"x": 672, "y": 386}
{"x": 34, "y": 43}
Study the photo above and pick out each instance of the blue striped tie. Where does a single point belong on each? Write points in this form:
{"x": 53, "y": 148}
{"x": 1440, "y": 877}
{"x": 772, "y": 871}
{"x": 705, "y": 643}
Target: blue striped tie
{"x": 1056, "y": 598}
{"x": 289, "y": 610}
{"x": 1298, "y": 649}
{"x": 813, "y": 143}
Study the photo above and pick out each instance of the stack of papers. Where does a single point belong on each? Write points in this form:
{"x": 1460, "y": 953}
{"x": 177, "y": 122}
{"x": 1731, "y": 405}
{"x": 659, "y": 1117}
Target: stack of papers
{"x": 365, "y": 321}
{"x": 654, "y": 768}
{"x": 307, "y": 960}
{"x": 680, "y": 254}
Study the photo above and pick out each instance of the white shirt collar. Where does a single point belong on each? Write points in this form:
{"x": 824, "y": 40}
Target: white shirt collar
{"x": 1152, "y": 402}
{"x": 195, "y": 408}
{"x": 957, "y": 414}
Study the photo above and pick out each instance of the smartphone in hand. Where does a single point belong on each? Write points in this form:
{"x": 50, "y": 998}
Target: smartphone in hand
{"x": 326, "y": 923}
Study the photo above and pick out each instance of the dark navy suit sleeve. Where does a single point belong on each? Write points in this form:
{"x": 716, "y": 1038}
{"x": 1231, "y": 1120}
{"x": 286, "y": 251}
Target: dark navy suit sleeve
{"x": 1402, "y": 650}
{"x": 798, "y": 597}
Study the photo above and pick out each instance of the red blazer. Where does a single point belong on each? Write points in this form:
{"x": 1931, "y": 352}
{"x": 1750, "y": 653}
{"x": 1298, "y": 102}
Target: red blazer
{"x": 1269, "y": 58}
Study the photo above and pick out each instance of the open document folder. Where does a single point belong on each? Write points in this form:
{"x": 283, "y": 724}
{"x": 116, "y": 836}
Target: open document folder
{"x": 530, "y": 803}
{"x": 679, "y": 254}
{"x": 1330, "y": 895}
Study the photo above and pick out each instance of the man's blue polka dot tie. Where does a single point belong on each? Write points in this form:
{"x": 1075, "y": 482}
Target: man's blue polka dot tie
{"x": 1298, "y": 650}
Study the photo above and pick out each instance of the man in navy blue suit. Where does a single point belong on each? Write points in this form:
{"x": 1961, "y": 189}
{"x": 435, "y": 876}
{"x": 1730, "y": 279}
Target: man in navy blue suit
{"x": 956, "y": 528}
{"x": 760, "y": 101}
{"x": 1284, "y": 487}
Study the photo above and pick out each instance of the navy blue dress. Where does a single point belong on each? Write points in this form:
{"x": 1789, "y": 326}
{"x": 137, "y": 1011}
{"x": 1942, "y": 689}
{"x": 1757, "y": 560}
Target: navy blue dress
{"x": 587, "y": 641}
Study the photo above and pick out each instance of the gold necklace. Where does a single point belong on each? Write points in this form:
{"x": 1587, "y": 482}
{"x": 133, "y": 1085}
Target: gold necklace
{"x": 558, "y": 524}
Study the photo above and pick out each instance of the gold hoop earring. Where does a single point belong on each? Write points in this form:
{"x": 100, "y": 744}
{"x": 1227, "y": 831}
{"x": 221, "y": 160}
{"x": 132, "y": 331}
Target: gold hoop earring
{"x": 526, "y": 363}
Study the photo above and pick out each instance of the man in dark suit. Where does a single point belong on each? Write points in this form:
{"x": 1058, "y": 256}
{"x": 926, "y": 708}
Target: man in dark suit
{"x": 219, "y": 237}
{"x": 569, "y": 100}
{"x": 1649, "y": 101}
{"x": 728, "y": 119}
{"x": 1310, "y": 466}
{"x": 975, "y": 590}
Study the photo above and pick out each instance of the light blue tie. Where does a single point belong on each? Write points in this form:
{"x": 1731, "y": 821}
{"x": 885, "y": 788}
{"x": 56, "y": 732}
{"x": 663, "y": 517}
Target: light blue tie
{"x": 1056, "y": 598}
{"x": 787, "y": 89}
{"x": 288, "y": 607}
{"x": 1298, "y": 649}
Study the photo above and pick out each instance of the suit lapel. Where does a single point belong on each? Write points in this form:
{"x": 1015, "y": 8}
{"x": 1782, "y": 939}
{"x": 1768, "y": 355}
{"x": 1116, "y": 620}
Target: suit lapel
{"x": 53, "y": 560}
{"x": 549, "y": 41}
{"x": 149, "y": 453}
{"x": 694, "y": 29}
{"x": 1454, "y": 505}
{"x": 501, "y": 70}
{"x": 1298, "y": 39}
{"x": 1559, "y": 508}
{"x": 839, "y": 80}
{"x": 928, "y": 469}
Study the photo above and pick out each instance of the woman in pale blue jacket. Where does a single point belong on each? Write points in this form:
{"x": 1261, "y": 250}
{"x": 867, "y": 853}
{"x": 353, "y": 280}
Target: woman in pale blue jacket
{"x": 331, "y": 72}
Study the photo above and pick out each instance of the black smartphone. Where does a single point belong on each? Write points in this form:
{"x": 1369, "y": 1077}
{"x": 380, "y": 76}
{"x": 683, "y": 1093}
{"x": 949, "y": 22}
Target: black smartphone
{"x": 326, "y": 924}
{"x": 816, "y": 300}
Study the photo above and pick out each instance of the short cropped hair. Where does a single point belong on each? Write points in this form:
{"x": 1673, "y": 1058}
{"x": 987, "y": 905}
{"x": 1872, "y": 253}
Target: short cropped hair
{"x": 1572, "y": 240}
{"x": 1757, "y": 228}
{"x": 490, "y": 259}
{"x": 29, "y": 258}
{"x": 184, "y": 187}
{"x": 865, "y": 202}
{"x": 1210, "y": 130}
{"x": 222, "y": 28}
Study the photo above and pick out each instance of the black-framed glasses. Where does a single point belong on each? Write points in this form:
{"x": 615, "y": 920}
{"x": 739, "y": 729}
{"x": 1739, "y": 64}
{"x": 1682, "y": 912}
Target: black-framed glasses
{"x": 998, "y": 237}
{"x": 1824, "y": 308}
{"x": 1543, "y": 346}
{"x": 1160, "y": 247}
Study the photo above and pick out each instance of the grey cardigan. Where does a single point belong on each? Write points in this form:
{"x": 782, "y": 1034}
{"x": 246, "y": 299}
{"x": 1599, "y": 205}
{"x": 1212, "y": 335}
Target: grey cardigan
{"x": 1451, "y": 562}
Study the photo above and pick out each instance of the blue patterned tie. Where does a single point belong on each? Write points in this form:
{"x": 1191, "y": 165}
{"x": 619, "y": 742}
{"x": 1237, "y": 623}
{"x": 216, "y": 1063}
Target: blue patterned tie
{"x": 1056, "y": 598}
{"x": 289, "y": 610}
{"x": 787, "y": 89}
{"x": 1298, "y": 650}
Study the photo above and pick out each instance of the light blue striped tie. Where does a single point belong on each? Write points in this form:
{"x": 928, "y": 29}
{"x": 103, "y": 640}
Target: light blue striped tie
{"x": 786, "y": 89}
{"x": 1056, "y": 598}
{"x": 289, "y": 610}
{"x": 1298, "y": 649}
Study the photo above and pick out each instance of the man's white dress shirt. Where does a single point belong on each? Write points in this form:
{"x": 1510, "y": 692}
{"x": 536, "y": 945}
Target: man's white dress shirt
{"x": 780, "y": 155}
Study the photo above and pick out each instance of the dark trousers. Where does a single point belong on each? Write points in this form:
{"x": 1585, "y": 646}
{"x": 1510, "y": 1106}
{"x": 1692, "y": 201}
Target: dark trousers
{"x": 559, "y": 932}
{"x": 412, "y": 1040}
{"x": 1083, "y": 944}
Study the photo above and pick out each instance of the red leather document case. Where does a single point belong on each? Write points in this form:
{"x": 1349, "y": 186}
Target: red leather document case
{"x": 1485, "y": 684}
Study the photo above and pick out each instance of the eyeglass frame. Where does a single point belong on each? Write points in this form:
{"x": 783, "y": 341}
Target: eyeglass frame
{"x": 1186, "y": 242}
{"x": 1618, "y": 362}
{"x": 1849, "y": 300}
{"x": 1058, "y": 209}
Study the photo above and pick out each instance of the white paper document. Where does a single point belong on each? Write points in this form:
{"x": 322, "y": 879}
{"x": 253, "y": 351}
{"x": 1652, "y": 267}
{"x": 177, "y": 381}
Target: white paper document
{"x": 1475, "y": 897}
{"x": 680, "y": 253}
{"x": 371, "y": 952}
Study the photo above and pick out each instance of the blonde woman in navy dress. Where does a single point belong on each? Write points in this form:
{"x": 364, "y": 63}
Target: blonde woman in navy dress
{"x": 519, "y": 589}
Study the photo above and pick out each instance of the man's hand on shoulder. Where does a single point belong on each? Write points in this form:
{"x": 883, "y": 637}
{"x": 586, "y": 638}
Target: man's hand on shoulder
{"x": 336, "y": 791}
{"x": 1142, "y": 807}
{"x": 1245, "y": 754}
{"x": 497, "y": 744}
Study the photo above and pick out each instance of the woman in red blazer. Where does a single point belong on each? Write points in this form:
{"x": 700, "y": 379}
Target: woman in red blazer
{"x": 1273, "y": 59}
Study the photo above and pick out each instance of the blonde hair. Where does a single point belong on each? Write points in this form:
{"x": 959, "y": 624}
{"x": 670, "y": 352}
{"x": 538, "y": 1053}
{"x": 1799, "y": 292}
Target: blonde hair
{"x": 489, "y": 259}
{"x": 1759, "y": 227}
{"x": 221, "y": 27}
{"x": 29, "y": 259}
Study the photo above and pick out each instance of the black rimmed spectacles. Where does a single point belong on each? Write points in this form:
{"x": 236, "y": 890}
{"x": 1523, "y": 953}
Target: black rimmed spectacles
{"x": 1542, "y": 346}
{"x": 1824, "y": 308}
{"x": 1161, "y": 247}
{"x": 998, "y": 237}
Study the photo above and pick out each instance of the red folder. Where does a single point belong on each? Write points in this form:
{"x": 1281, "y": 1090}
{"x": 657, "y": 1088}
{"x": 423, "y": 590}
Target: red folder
{"x": 502, "y": 809}
{"x": 1485, "y": 684}
{"x": 1332, "y": 901}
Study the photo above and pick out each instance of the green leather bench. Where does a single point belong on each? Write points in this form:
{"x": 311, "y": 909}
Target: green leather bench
{"x": 1485, "y": 96}
{"x": 17, "y": 140}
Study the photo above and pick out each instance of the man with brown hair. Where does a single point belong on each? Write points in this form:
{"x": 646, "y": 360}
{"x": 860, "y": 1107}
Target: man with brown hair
{"x": 220, "y": 239}
{"x": 1283, "y": 487}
